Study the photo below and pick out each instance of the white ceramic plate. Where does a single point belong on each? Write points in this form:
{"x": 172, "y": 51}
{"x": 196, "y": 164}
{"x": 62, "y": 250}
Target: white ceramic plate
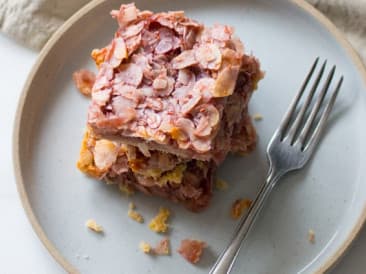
{"x": 328, "y": 196}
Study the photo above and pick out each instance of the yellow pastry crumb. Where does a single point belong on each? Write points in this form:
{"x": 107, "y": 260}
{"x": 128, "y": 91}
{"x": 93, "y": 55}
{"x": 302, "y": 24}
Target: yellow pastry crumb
{"x": 147, "y": 172}
{"x": 257, "y": 117}
{"x": 145, "y": 247}
{"x": 221, "y": 184}
{"x": 311, "y": 236}
{"x": 239, "y": 207}
{"x": 126, "y": 189}
{"x": 133, "y": 214}
{"x": 173, "y": 176}
{"x": 92, "y": 225}
{"x": 158, "y": 223}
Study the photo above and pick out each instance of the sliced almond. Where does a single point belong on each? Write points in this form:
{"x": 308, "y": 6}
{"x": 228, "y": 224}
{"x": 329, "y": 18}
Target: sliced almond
{"x": 226, "y": 81}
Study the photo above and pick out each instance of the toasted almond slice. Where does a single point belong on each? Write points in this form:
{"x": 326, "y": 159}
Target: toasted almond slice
{"x": 226, "y": 81}
{"x": 190, "y": 103}
{"x": 185, "y": 59}
{"x": 209, "y": 56}
{"x": 105, "y": 154}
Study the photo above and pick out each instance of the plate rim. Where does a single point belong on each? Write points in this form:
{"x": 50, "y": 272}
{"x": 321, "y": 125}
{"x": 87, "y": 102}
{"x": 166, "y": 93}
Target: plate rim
{"x": 56, "y": 254}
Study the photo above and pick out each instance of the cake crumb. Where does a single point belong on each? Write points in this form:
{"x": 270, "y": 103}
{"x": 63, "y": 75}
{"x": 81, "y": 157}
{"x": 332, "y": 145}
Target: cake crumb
{"x": 84, "y": 81}
{"x": 311, "y": 236}
{"x": 162, "y": 248}
{"x": 92, "y": 225}
{"x": 239, "y": 207}
{"x": 221, "y": 184}
{"x": 131, "y": 206}
{"x": 133, "y": 214}
{"x": 191, "y": 250}
{"x": 258, "y": 117}
{"x": 126, "y": 189}
{"x": 145, "y": 247}
{"x": 158, "y": 223}
{"x": 108, "y": 181}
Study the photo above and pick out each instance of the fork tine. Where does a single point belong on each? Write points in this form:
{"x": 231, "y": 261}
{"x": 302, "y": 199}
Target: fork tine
{"x": 296, "y": 125}
{"x": 306, "y": 129}
{"x": 323, "y": 119}
{"x": 286, "y": 119}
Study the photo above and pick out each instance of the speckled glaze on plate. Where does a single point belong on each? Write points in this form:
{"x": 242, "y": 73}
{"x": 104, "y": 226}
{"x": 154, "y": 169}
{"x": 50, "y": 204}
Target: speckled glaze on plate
{"x": 328, "y": 196}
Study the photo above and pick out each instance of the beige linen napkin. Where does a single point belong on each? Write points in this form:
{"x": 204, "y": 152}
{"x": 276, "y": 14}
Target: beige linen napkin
{"x": 32, "y": 22}
{"x": 350, "y": 17}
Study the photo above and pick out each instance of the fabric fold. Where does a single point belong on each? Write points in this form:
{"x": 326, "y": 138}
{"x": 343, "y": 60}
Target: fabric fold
{"x": 32, "y": 22}
{"x": 349, "y": 16}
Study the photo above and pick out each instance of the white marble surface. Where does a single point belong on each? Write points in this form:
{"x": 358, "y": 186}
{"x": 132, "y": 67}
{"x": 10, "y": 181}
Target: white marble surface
{"x": 20, "y": 249}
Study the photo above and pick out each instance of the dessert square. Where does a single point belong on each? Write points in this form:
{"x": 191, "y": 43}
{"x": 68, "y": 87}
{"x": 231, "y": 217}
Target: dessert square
{"x": 174, "y": 85}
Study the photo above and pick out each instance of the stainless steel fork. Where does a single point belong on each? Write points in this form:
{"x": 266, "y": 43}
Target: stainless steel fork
{"x": 289, "y": 149}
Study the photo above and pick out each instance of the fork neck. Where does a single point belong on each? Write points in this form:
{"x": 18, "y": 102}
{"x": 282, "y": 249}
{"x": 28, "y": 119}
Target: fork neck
{"x": 273, "y": 176}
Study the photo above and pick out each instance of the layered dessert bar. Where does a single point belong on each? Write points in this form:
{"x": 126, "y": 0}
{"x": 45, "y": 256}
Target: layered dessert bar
{"x": 176, "y": 93}
{"x": 174, "y": 84}
{"x": 152, "y": 172}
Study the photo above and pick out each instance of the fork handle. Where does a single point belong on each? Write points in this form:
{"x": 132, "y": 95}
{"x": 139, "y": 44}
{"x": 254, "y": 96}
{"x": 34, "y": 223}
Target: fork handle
{"x": 227, "y": 258}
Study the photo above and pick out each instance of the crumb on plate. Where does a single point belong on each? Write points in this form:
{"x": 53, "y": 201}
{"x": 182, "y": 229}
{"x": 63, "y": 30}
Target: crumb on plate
{"x": 257, "y": 117}
{"x": 84, "y": 81}
{"x": 92, "y": 225}
{"x": 311, "y": 236}
{"x": 191, "y": 250}
{"x": 126, "y": 189}
{"x": 145, "y": 247}
{"x": 158, "y": 223}
{"x": 162, "y": 248}
{"x": 131, "y": 205}
{"x": 108, "y": 181}
{"x": 221, "y": 184}
{"x": 239, "y": 207}
{"x": 133, "y": 214}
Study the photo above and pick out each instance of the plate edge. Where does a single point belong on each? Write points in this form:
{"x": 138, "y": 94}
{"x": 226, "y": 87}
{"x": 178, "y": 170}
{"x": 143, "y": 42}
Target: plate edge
{"x": 55, "y": 253}
{"x": 302, "y": 4}
{"x": 356, "y": 59}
